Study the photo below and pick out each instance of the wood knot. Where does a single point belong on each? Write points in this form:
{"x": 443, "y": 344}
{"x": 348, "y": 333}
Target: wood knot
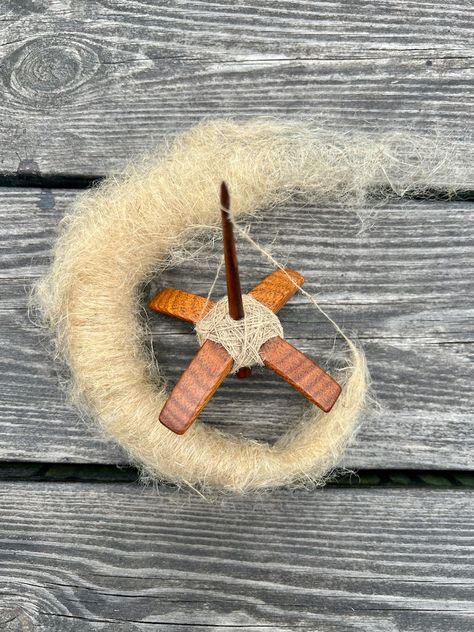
{"x": 48, "y": 69}
{"x": 17, "y": 617}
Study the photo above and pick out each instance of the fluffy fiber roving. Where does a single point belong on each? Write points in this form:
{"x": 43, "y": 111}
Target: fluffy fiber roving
{"x": 118, "y": 235}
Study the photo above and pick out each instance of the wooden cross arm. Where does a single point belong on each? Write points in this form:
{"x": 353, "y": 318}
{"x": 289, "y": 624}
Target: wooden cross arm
{"x": 209, "y": 367}
{"x": 273, "y": 292}
{"x": 180, "y": 304}
{"x": 198, "y": 383}
{"x": 301, "y": 372}
{"x": 277, "y": 288}
{"x": 212, "y": 363}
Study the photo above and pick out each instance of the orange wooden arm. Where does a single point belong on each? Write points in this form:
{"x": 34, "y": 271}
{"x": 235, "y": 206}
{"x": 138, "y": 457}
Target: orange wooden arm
{"x": 302, "y": 373}
{"x": 198, "y": 383}
{"x": 182, "y": 305}
{"x": 273, "y": 292}
{"x": 276, "y": 289}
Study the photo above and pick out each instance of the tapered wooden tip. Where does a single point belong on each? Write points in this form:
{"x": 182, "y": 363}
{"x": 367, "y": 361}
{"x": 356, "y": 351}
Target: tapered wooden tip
{"x": 234, "y": 290}
{"x": 225, "y": 197}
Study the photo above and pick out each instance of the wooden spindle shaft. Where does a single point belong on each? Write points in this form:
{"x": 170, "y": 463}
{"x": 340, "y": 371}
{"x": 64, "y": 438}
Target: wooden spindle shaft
{"x": 234, "y": 290}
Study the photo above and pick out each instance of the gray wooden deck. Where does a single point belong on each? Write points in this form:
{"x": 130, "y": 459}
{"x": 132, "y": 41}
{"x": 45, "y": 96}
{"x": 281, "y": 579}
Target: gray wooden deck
{"x": 82, "y": 545}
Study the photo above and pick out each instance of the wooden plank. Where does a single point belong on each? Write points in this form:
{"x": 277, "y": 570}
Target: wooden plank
{"x": 404, "y": 286}
{"x": 104, "y": 557}
{"x": 84, "y": 89}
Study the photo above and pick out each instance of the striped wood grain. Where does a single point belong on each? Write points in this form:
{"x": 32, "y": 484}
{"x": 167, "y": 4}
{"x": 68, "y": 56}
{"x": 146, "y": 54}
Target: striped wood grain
{"x": 179, "y": 304}
{"x": 196, "y": 385}
{"x": 301, "y": 372}
{"x": 80, "y": 557}
{"x": 275, "y": 290}
{"x": 211, "y": 364}
{"x": 84, "y": 89}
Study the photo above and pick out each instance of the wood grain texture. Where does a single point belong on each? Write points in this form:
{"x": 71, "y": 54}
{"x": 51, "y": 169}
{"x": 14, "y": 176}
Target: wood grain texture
{"x": 183, "y": 305}
{"x": 83, "y": 86}
{"x": 404, "y": 286}
{"x": 197, "y": 384}
{"x": 274, "y": 292}
{"x": 108, "y": 557}
{"x": 84, "y": 89}
{"x": 276, "y": 289}
{"x": 301, "y": 372}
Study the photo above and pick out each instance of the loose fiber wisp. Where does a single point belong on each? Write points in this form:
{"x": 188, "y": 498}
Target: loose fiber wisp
{"x": 119, "y": 235}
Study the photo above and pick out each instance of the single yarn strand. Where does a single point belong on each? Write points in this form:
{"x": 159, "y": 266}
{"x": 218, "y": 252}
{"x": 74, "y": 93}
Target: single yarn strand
{"x": 245, "y": 234}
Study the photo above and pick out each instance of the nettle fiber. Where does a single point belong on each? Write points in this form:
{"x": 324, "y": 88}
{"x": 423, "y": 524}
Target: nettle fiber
{"x": 119, "y": 235}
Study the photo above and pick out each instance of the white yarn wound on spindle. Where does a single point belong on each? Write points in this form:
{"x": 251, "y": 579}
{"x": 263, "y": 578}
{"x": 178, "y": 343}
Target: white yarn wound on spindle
{"x": 242, "y": 338}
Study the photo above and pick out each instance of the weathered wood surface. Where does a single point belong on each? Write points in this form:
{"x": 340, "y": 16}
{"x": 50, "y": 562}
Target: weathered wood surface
{"x": 84, "y": 88}
{"x": 404, "y": 286}
{"x": 104, "y": 557}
